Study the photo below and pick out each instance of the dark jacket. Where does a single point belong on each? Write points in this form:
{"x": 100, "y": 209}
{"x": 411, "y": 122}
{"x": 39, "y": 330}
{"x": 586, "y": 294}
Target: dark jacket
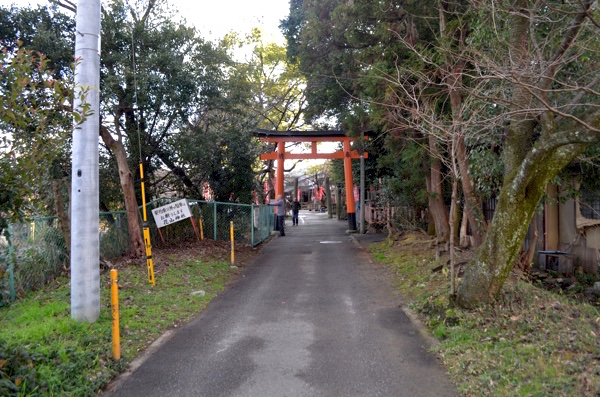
{"x": 296, "y": 206}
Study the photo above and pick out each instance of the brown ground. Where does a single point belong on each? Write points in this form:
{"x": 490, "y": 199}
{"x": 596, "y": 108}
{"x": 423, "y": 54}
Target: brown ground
{"x": 189, "y": 250}
{"x": 207, "y": 249}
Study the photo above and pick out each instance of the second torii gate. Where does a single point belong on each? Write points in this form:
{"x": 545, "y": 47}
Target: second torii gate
{"x": 314, "y": 137}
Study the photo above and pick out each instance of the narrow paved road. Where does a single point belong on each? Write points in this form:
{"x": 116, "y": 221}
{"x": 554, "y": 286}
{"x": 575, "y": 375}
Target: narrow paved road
{"x": 310, "y": 317}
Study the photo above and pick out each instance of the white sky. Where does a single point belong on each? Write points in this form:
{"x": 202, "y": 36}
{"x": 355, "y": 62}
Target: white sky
{"x": 215, "y": 18}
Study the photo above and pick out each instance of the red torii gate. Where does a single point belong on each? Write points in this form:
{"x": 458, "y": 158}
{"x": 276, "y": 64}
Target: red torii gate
{"x": 314, "y": 137}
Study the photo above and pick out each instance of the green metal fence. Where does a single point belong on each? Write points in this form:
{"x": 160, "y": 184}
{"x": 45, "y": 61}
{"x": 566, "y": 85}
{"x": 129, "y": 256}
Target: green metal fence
{"x": 35, "y": 252}
{"x": 252, "y": 223}
{"x": 114, "y": 235}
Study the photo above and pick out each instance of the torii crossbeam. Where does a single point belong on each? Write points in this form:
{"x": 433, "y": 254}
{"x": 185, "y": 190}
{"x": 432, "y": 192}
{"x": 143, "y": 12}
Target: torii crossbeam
{"x": 314, "y": 137}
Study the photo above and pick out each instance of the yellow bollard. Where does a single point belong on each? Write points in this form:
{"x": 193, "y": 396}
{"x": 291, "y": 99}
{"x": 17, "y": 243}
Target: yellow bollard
{"x": 114, "y": 300}
{"x": 148, "y": 246}
{"x": 232, "y": 236}
{"x": 201, "y": 225}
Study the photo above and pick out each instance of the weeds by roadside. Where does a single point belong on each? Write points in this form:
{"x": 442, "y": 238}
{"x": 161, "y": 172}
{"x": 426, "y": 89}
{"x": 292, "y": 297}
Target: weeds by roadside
{"x": 44, "y": 352}
{"x": 533, "y": 342}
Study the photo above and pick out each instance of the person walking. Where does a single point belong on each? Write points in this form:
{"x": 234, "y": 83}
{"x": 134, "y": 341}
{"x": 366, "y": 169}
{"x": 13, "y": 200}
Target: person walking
{"x": 280, "y": 204}
{"x": 295, "y": 210}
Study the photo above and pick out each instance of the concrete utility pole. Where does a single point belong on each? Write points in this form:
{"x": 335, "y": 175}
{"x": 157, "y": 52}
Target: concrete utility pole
{"x": 85, "y": 241}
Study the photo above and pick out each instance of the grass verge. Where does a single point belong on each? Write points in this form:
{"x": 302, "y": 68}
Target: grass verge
{"x": 44, "y": 352}
{"x": 532, "y": 342}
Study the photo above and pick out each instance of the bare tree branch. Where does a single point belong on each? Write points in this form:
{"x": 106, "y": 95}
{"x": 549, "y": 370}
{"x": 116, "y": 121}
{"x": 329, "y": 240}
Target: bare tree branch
{"x": 66, "y": 4}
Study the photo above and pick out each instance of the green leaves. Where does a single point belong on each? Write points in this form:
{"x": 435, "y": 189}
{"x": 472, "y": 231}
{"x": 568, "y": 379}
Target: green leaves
{"x": 34, "y": 122}
{"x": 487, "y": 169}
{"x": 42, "y": 29}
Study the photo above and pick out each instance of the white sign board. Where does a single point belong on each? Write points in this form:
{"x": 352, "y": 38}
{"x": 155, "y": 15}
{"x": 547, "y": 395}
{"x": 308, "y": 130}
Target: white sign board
{"x": 171, "y": 213}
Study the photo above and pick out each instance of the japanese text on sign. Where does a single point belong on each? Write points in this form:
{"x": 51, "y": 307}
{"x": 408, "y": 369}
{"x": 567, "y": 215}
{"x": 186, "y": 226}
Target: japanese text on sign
{"x": 171, "y": 213}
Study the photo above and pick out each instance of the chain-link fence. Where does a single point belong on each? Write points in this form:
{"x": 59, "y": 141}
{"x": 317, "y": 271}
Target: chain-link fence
{"x": 114, "y": 235}
{"x": 35, "y": 252}
{"x": 31, "y": 254}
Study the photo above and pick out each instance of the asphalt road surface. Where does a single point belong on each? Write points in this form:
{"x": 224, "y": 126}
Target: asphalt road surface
{"x": 310, "y": 317}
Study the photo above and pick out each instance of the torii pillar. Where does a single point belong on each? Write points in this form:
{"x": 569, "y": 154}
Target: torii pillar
{"x": 350, "y": 204}
{"x": 279, "y": 183}
{"x": 282, "y": 137}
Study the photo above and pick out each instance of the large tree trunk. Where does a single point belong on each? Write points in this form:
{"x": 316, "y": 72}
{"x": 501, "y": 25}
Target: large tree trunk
{"x": 435, "y": 192}
{"x": 136, "y": 243}
{"x": 519, "y": 197}
{"x": 517, "y": 203}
